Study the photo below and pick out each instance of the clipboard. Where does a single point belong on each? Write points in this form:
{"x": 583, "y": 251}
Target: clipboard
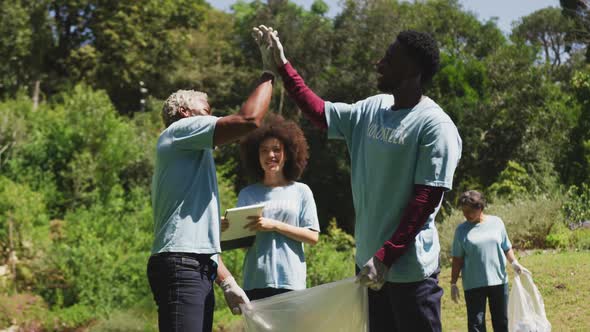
{"x": 236, "y": 236}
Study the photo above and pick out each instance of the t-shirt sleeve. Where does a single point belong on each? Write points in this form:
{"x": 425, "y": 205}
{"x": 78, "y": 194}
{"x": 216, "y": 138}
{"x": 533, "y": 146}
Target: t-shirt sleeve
{"x": 308, "y": 216}
{"x": 505, "y": 244}
{"x": 438, "y": 155}
{"x": 242, "y": 198}
{"x": 193, "y": 133}
{"x": 341, "y": 119}
{"x": 457, "y": 249}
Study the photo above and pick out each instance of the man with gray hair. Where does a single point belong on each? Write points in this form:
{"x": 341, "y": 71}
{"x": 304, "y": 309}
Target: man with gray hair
{"x": 185, "y": 202}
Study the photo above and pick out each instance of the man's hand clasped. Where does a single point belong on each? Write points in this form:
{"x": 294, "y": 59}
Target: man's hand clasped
{"x": 372, "y": 274}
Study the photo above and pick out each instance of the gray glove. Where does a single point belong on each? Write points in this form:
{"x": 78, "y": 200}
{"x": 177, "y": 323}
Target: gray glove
{"x": 372, "y": 274}
{"x": 260, "y": 35}
{"x": 234, "y": 294}
{"x": 455, "y": 295}
{"x": 518, "y": 269}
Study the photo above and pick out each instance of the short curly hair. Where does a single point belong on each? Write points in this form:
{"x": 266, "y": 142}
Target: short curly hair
{"x": 176, "y": 101}
{"x": 293, "y": 139}
{"x": 473, "y": 199}
{"x": 424, "y": 48}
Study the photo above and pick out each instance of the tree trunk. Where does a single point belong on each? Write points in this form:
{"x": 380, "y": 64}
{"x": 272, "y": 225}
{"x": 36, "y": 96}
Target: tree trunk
{"x": 11, "y": 255}
{"x": 36, "y": 92}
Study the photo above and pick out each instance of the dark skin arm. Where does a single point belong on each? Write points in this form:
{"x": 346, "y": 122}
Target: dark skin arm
{"x": 232, "y": 127}
{"x": 456, "y": 269}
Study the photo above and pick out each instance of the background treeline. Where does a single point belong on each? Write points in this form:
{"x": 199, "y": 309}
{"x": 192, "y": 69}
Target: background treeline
{"x": 82, "y": 84}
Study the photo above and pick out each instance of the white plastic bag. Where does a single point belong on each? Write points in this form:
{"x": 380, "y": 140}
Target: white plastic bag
{"x": 526, "y": 310}
{"x": 340, "y": 306}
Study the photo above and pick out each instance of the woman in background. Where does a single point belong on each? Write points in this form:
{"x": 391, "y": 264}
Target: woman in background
{"x": 480, "y": 249}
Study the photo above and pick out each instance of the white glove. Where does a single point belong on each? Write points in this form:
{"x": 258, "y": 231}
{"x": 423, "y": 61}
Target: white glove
{"x": 260, "y": 35}
{"x": 234, "y": 294}
{"x": 455, "y": 295}
{"x": 277, "y": 47}
{"x": 518, "y": 269}
{"x": 372, "y": 274}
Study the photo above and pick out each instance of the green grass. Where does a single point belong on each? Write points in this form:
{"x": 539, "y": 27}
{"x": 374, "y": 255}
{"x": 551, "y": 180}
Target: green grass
{"x": 562, "y": 279}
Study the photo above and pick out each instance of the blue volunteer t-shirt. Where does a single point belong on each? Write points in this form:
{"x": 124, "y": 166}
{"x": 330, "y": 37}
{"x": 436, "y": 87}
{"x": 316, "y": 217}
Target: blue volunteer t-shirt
{"x": 184, "y": 188}
{"x": 274, "y": 260}
{"x": 390, "y": 152}
{"x": 482, "y": 246}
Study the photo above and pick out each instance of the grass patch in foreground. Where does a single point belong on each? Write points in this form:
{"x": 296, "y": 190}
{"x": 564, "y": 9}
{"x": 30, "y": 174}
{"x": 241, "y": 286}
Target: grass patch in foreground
{"x": 561, "y": 277}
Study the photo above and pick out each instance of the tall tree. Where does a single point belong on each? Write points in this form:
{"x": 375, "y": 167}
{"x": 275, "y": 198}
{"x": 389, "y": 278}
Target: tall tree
{"x": 546, "y": 28}
{"x": 579, "y": 11}
{"x": 109, "y": 45}
{"x": 576, "y": 169}
{"x": 24, "y": 41}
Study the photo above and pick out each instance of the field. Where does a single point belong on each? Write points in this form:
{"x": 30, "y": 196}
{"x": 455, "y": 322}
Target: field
{"x": 560, "y": 276}
{"x": 562, "y": 280}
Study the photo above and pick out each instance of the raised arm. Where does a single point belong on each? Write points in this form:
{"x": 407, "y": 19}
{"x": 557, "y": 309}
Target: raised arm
{"x": 232, "y": 127}
{"x": 310, "y": 104}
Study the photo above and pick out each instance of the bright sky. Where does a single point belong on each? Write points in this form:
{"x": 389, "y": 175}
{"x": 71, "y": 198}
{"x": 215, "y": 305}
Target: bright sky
{"x": 506, "y": 11}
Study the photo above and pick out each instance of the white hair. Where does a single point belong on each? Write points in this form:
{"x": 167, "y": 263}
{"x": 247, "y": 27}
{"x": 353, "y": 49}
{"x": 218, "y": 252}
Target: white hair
{"x": 188, "y": 99}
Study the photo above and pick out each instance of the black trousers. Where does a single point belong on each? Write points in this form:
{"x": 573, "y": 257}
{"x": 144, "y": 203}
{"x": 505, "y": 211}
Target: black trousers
{"x": 475, "y": 299}
{"x": 404, "y": 307}
{"x": 182, "y": 285}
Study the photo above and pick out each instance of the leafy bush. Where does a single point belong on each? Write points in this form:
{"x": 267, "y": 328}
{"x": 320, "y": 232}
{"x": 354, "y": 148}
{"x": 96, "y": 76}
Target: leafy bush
{"x": 101, "y": 260}
{"x": 78, "y": 149}
{"x": 576, "y": 207}
{"x": 561, "y": 237}
{"x": 513, "y": 181}
{"x": 69, "y": 319}
{"x": 25, "y": 211}
{"x": 332, "y": 258}
{"x": 581, "y": 238}
{"x": 24, "y": 310}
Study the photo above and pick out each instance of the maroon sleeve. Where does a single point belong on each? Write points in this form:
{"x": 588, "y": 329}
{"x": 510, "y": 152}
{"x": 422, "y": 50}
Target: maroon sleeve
{"x": 419, "y": 208}
{"x": 310, "y": 104}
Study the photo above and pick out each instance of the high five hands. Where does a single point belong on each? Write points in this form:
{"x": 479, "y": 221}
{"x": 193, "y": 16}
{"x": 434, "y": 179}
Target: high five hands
{"x": 262, "y": 39}
{"x": 271, "y": 49}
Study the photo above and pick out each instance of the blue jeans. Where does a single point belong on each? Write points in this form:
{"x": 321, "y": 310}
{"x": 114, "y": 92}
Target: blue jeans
{"x": 475, "y": 299}
{"x": 411, "y": 306}
{"x": 182, "y": 285}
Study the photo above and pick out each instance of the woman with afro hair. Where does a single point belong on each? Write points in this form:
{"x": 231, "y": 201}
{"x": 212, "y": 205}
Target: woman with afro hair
{"x": 275, "y": 156}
